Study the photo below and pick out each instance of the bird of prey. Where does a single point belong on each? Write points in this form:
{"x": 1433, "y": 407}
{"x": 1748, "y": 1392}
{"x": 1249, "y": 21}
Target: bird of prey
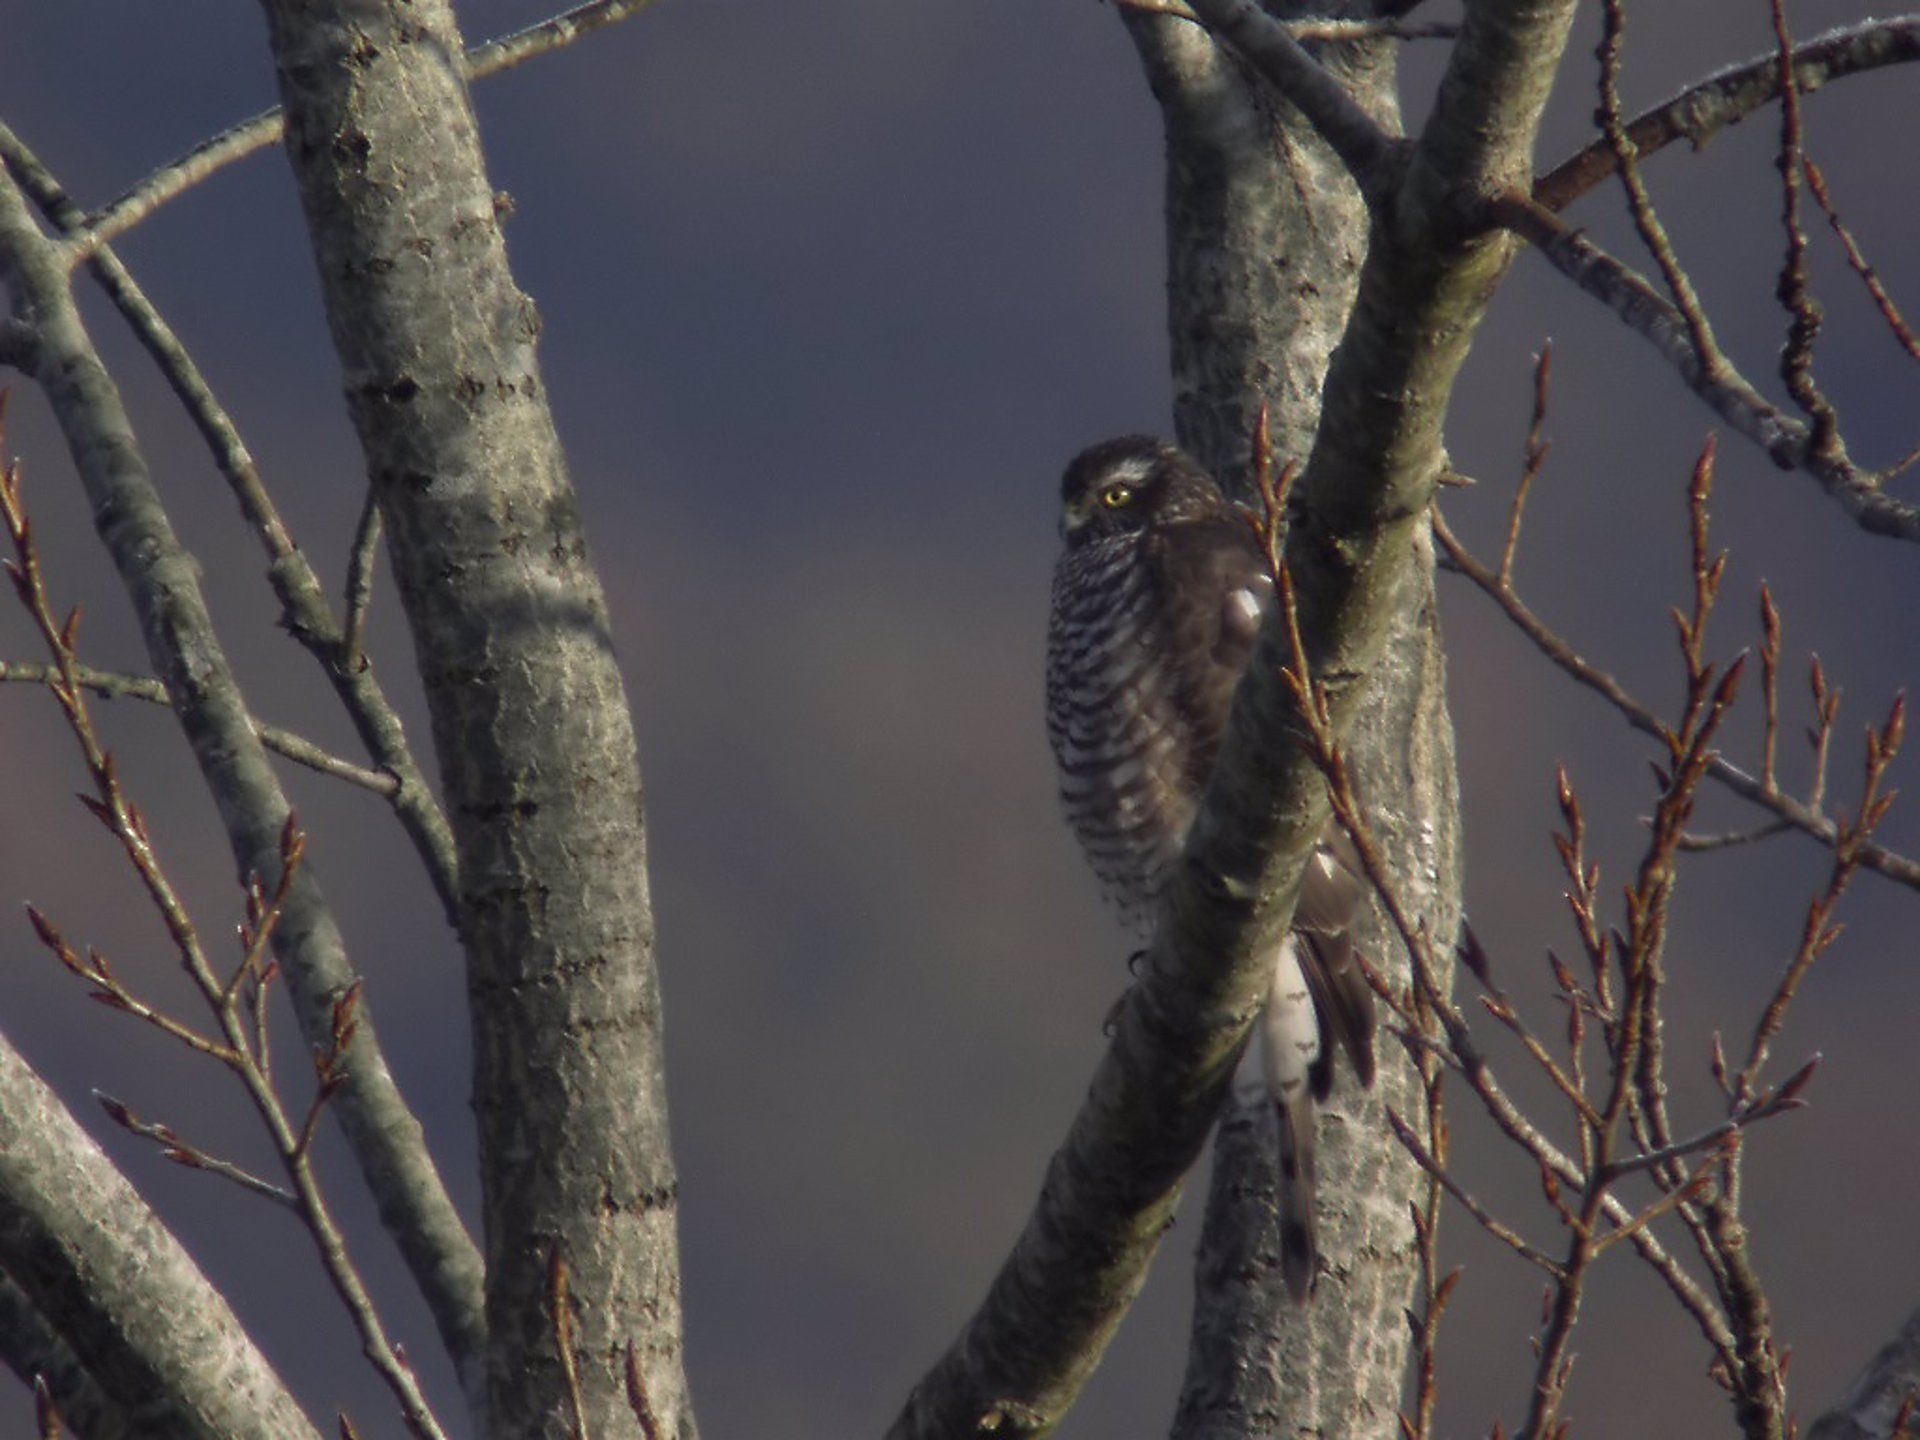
{"x": 1158, "y": 596}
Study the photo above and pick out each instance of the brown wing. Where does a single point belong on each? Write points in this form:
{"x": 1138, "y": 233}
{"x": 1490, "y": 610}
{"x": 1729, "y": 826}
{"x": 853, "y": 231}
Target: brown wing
{"x": 1212, "y": 587}
{"x": 1332, "y": 898}
{"x": 1214, "y": 591}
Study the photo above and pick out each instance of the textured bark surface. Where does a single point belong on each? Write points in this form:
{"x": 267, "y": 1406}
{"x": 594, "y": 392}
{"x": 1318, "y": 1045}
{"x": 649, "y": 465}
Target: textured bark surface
{"x": 154, "y": 1336}
{"x": 535, "y": 746}
{"x": 1265, "y": 235}
{"x": 36, "y": 1354}
{"x": 1260, "y": 1364}
{"x": 1873, "y": 1403}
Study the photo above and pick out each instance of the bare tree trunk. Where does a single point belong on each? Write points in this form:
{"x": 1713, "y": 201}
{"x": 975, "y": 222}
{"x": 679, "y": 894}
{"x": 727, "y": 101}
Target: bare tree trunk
{"x": 1266, "y": 235}
{"x": 536, "y": 747}
{"x": 1266, "y": 232}
{"x": 1259, "y": 1363}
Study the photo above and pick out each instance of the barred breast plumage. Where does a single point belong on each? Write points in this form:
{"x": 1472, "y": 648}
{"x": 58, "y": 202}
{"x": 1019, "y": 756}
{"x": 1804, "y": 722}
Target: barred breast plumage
{"x": 1157, "y": 603}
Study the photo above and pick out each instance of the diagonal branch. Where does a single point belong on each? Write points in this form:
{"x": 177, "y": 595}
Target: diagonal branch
{"x": 1860, "y": 493}
{"x": 80, "y": 1244}
{"x": 1270, "y": 48}
{"x": 1876, "y": 289}
{"x": 1728, "y": 96}
{"x": 251, "y": 136}
{"x": 113, "y": 685}
{"x": 303, "y": 601}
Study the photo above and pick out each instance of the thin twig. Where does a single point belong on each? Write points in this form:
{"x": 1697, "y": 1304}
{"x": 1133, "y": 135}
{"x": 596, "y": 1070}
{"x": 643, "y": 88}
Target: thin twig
{"x": 1826, "y": 710}
{"x": 1807, "y": 818}
{"x": 560, "y": 1315}
{"x": 1770, "y": 687}
{"x": 46, "y": 1418}
{"x": 1707, "y": 1200}
{"x": 114, "y": 809}
{"x": 329, "y": 1072}
{"x": 1462, "y": 1051}
{"x": 1436, "y": 1290}
{"x": 1890, "y": 312}
{"x": 1646, "y": 221}
{"x": 1685, "y": 1193}
{"x": 1503, "y": 1010}
{"x": 1819, "y": 931}
{"x": 1795, "y": 289}
{"x": 1488, "y": 1221}
{"x": 262, "y": 1033}
{"x": 1777, "y": 1101}
{"x": 113, "y": 684}
{"x": 1860, "y": 493}
{"x": 637, "y": 1400}
{"x": 253, "y": 135}
{"x": 1728, "y": 96}
{"x": 182, "y": 1153}
{"x": 1536, "y": 457}
{"x": 1730, "y": 839}
{"x": 105, "y": 986}
{"x": 308, "y": 615}
{"x": 1633, "y": 1028}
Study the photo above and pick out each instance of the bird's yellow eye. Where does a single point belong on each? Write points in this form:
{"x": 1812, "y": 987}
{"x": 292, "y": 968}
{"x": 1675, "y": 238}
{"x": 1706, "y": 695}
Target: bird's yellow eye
{"x": 1114, "y": 496}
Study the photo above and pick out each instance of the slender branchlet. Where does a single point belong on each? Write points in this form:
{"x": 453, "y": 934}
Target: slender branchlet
{"x": 1795, "y": 288}
{"x": 236, "y": 1040}
{"x": 1623, "y": 1127}
{"x": 1856, "y": 258}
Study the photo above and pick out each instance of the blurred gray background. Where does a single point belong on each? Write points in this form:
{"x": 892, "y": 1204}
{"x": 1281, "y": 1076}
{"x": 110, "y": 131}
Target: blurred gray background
{"x": 831, "y": 291}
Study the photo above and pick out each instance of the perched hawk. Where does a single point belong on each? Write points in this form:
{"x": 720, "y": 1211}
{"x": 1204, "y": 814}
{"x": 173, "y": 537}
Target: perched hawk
{"x": 1157, "y": 600}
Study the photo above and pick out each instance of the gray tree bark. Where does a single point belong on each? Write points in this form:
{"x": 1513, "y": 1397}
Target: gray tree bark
{"x": 36, "y": 1354}
{"x": 535, "y": 746}
{"x": 155, "y": 1338}
{"x": 1885, "y": 1390}
{"x": 1266, "y": 232}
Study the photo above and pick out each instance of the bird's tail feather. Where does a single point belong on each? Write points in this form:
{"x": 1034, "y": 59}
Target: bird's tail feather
{"x": 1299, "y": 1252}
{"x": 1290, "y": 1044}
